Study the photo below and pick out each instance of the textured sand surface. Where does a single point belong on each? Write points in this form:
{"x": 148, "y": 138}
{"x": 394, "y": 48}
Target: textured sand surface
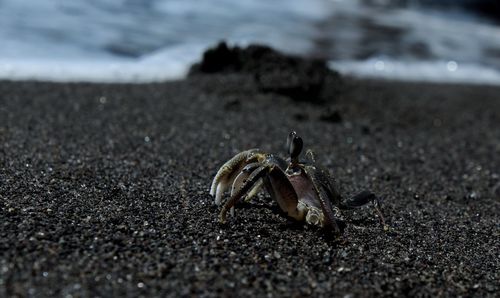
{"x": 104, "y": 190}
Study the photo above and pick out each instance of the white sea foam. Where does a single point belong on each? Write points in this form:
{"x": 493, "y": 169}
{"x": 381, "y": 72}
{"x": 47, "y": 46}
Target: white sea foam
{"x": 168, "y": 64}
{"x": 127, "y": 41}
{"x": 422, "y": 71}
{"x": 157, "y": 40}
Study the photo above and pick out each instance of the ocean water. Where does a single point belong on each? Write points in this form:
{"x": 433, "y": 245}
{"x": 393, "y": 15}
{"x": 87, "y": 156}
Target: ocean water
{"x": 157, "y": 40}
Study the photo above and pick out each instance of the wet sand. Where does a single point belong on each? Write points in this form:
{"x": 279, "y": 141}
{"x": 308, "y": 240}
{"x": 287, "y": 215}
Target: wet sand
{"x": 104, "y": 190}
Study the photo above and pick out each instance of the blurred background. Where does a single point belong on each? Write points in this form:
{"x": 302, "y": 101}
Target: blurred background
{"x": 156, "y": 40}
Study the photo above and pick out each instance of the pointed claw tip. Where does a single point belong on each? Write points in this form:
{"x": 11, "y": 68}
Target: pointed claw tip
{"x": 213, "y": 188}
{"x": 222, "y": 219}
{"x": 219, "y": 193}
{"x": 218, "y": 200}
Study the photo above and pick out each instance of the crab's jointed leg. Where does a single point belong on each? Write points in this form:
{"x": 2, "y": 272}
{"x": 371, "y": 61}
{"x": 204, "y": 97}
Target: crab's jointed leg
{"x": 279, "y": 187}
{"x": 331, "y": 212}
{"x": 241, "y": 178}
{"x": 257, "y": 174}
{"x": 227, "y": 173}
{"x": 257, "y": 187}
{"x": 362, "y": 199}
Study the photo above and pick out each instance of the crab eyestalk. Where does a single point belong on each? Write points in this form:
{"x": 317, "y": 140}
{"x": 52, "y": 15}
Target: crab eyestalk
{"x": 289, "y": 139}
{"x": 294, "y": 144}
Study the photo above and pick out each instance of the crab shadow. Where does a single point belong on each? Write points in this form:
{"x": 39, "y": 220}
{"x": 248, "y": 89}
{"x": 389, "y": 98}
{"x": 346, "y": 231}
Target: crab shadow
{"x": 294, "y": 225}
{"x": 288, "y": 224}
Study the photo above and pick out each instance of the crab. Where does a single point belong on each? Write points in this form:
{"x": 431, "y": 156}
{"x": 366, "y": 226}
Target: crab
{"x": 304, "y": 190}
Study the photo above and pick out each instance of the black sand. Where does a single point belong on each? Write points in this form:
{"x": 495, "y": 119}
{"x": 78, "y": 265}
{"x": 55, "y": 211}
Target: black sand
{"x": 104, "y": 190}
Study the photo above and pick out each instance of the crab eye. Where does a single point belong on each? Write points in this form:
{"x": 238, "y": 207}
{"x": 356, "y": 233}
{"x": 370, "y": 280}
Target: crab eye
{"x": 296, "y": 147}
{"x": 289, "y": 140}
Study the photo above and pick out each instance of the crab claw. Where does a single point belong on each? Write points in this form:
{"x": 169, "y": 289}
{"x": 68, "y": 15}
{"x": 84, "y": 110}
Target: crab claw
{"x": 227, "y": 174}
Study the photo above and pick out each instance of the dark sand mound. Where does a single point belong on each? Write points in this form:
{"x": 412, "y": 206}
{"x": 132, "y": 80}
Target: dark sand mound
{"x": 104, "y": 190}
{"x": 273, "y": 72}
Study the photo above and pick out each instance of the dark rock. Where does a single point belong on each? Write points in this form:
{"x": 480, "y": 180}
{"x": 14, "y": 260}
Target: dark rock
{"x": 297, "y": 78}
{"x": 218, "y": 59}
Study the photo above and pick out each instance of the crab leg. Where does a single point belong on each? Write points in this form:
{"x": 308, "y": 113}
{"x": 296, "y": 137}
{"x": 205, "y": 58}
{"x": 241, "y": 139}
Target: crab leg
{"x": 362, "y": 199}
{"x": 227, "y": 173}
{"x": 238, "y": 182}
{"x": 257, "y": 174}
{"x": 254, "y": 190}
{"x": 242, "y": 178}
{"x": 331, "y": 212}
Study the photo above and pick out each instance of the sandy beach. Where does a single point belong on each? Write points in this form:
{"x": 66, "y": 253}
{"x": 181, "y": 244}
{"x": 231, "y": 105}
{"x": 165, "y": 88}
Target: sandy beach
{"x": 104, "y": 190}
